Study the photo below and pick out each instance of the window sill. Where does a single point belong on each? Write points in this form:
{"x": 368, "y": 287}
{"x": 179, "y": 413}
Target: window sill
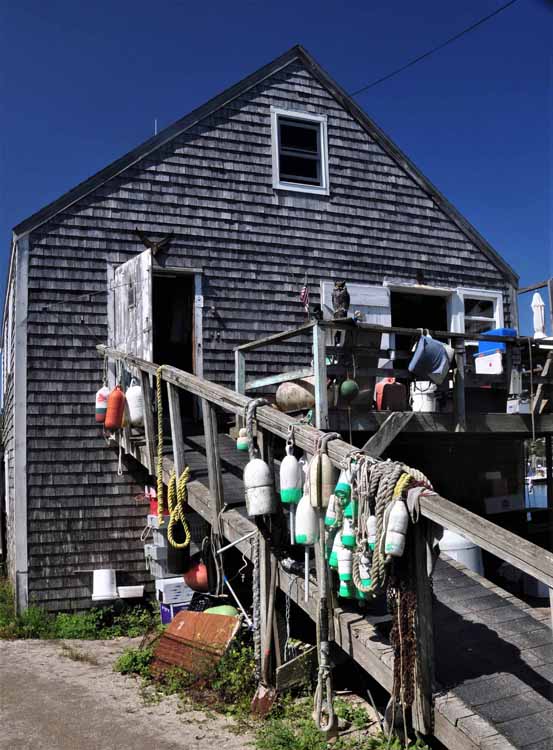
{"x": 288, "y": 187}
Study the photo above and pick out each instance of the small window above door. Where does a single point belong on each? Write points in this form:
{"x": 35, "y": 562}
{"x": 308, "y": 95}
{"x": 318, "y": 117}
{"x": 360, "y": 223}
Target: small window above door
{"x": 300, "y": 152}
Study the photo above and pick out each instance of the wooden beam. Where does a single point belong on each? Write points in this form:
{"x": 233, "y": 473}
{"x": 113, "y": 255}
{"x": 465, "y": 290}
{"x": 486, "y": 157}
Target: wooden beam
{"x": 423, "y": 709}
{"x": 282, "y": 377}
{"x": 213, "y": 461}
{"x": 176, "y": 428}
{"x": 459, "y": 408}
{"x": 149, "y": 429}
{"x": 275, "y": 338}
{"x": 511, "y": 548}
{"x": 319, "y": 370}
{"x": 389, "y": 430}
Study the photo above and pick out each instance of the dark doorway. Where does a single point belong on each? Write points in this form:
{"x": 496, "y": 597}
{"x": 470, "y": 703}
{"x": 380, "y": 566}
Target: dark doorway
{"x": 173, "y": 326}
{"x": 417, "y": 311}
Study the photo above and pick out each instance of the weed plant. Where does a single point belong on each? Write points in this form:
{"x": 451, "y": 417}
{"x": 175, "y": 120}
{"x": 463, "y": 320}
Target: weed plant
{"x": 93, "y": 624}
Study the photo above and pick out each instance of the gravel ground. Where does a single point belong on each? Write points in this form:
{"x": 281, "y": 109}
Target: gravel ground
{"x": 64, "y": 695}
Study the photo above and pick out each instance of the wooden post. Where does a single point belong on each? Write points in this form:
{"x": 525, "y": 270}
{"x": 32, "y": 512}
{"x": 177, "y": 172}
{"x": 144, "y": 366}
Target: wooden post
{"x": 176, "y": 428}
{"x": 239, "y": 379}
{"x": 319, "y": 371}
{"x": 149, "y": 430}
{"x": 423, "y": 705}
{"x": 213, "y": 461}
{"x": 549, "y": 470}
{"x": 459, "y": 389}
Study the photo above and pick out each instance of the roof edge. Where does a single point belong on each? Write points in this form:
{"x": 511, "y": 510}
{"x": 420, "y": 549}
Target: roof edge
{"x": 172, "y": 131}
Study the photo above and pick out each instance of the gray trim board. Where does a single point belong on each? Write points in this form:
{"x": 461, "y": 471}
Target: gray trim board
{"x": 20, "y": 428}
{"x": 295, "y": 53}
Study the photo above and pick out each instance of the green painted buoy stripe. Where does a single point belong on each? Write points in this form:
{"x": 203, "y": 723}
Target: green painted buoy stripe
{"x": 291, "y": 495}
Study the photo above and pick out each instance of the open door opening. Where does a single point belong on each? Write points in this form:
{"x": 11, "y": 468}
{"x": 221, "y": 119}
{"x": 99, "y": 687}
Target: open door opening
{"x": 173, "y": 326}
{"x": 411, "y": 310}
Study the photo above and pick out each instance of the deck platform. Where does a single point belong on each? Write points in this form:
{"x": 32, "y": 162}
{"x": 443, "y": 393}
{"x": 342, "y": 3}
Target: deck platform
{"x": 493, "y": 653}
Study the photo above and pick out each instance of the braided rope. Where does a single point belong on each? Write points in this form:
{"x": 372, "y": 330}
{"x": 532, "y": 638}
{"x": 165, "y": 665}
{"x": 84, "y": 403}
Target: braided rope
{"x": 177, "y": 496}
{"x": 159, "y": 463}
{"x": 250, "y": 419}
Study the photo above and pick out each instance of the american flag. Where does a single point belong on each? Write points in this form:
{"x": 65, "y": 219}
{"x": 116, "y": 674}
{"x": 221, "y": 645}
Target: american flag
{"x": 304, "y": 296}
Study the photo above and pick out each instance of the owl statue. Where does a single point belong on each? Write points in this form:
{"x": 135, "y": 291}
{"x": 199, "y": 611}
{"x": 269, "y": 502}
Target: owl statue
{"x": 340, "y": 300}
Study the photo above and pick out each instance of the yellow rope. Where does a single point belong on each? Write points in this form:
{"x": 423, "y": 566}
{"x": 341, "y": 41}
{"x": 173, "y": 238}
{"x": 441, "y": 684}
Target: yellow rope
{"x": 159, "y": 468}
{"x": 177, "y": 496}
{"x": 400, "y": 486}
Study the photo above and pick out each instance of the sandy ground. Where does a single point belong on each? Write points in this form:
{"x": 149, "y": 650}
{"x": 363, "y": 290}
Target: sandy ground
{"x": 50, "y": 701}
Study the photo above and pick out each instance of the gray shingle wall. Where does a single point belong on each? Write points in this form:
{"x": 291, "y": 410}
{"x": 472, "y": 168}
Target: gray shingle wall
{"x": 8, "y": 436}
{"x": 213, "y": 188}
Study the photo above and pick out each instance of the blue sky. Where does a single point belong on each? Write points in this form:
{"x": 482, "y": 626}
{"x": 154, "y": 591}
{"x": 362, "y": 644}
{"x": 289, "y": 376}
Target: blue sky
{"x": 83, "y": 82}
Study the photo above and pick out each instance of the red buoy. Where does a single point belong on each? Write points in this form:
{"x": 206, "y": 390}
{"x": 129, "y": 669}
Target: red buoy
{"x": 196, "y": 577}
{"x": 115, "y": 409}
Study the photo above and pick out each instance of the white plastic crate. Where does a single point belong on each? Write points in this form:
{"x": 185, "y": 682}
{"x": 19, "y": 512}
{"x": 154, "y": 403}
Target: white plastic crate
{"x": 157, "y": 570}
{"x": 171, "y": 590}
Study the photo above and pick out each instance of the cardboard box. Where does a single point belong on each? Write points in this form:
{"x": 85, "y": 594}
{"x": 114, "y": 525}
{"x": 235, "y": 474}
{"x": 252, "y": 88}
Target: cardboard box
{"x": 518, "y": 406}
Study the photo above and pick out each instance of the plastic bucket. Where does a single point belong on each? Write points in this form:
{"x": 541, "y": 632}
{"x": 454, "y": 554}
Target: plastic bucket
{"x": 423, "y": 396}
{"x": 103, "y": 584}
{"x": 463, "y": 550}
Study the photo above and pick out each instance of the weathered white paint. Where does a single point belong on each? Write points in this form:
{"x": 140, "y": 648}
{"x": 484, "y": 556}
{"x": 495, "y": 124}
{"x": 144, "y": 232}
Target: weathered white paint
{"x": 132, "y": 307}
{"x": 20, "y": 424}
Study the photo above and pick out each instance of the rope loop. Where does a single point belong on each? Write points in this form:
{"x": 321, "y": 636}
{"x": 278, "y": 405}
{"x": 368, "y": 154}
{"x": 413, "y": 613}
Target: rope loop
{"x": 251, "y": 409}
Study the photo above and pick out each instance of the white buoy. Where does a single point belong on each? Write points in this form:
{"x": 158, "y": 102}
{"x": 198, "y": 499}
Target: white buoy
{"x": 307, "y": 533}
{"x": 333, "y": 513}
{"x": 291, "y": 481}
{"x": 242, "y": 439}
{"x": 260, "y": 492}
{"x": 348, "y": 532}
{"x": 396, "y": 521}
{"x": 345, "y": 564}
{"x": 135, "y": 404}
{"x": 371, "y": 532}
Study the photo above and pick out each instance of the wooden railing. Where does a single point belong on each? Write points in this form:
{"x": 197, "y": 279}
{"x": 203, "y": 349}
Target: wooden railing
{"x": 319, "y": 349}
{"x": 519, "y": 552}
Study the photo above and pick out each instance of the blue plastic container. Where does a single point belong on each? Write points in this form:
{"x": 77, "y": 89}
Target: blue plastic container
{"x": 485, "y": 347}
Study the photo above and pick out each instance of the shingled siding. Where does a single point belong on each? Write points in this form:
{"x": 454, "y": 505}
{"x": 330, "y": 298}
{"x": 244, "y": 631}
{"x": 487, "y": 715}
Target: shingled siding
{"x": 213, "y": 188}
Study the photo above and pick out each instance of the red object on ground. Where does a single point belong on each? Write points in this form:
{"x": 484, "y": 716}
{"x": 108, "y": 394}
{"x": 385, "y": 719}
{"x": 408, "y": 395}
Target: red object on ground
{"x": 196, "y": 577}
{"x": 115, "y": 409}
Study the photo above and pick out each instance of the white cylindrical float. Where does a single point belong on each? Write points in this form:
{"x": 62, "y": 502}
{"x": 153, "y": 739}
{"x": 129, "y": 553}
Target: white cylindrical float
{"x": 103, "y": 585}
{"x": 463, "y": 550}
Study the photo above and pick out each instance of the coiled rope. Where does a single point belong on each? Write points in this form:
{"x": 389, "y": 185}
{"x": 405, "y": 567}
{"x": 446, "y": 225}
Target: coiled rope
{"x": 177, "y": 493}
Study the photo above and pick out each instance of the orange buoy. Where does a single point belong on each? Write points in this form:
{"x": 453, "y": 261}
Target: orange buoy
{"x": 196, "y": 577}
{"x": 115, "y": 409}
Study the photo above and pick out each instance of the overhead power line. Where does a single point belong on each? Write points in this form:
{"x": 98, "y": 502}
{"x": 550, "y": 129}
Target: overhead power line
{"x": 434, "y": 49}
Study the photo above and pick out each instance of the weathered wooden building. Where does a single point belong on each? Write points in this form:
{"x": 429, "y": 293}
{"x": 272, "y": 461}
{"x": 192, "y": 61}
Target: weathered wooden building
{"x": 280, "y": 178}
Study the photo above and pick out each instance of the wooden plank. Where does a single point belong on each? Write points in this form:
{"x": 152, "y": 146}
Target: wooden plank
{"x": 213, "y": 461}
{"x": 176, "y": 428}
{"x": 297, "y": 671}
{"x": 544, "y": 377}
{"x": 319, "y": 370}
{"x": 239, "y": 371}
{"x": 423, "y": 709}
{"x": 282, "y": 377}
{"x": 389, "y": 430}
{"x": 149, "y": 428}
{"x": 459, "y": 408}
{"x": 454, "y": 335}
{"x": 275, "y": 338}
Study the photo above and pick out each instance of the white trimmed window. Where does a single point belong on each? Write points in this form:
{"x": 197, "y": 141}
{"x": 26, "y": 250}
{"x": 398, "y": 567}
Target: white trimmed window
{"x": 482, "y": 310}
{"x": 300, "y": 151}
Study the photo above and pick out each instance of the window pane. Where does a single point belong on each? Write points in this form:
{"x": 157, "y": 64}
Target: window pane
{"x": 481, "y": 308}
{"x": 478, "y": 326}
{"x": 299, "y": 136}
{"x": 296, "y": 169}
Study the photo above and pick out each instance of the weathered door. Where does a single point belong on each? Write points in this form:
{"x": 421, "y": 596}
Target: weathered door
{"x": 130, "y": 322}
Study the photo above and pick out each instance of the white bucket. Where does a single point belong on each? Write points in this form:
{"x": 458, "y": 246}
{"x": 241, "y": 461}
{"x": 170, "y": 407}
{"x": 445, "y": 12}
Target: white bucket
{"x": 463, "y": 550}
{"x": 103, "y": 584}
{"x": 423, "y": 396}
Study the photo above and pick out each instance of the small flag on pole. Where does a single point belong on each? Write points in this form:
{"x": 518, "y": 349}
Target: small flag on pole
{"x": 304, "y": 296}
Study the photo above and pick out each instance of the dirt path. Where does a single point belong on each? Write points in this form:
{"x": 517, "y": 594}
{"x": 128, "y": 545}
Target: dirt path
{"x": 52, "y": 700}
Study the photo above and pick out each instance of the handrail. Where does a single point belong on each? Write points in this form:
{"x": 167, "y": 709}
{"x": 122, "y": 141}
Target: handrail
{"x": 522, "y": 554}
{"x": 351, "y": 324}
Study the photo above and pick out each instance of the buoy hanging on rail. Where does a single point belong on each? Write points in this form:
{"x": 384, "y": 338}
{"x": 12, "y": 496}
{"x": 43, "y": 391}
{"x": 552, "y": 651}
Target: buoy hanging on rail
{"x": 101, "y": 403}
{"x": 115, "y": 409}
{"x": 307, "y": 533}
{"x": 333, "y": 515}
{"x": 322, "y": 480}
{"x": 135, "y": 403}
{"x": 364, "y": 576}
{"x": 260, "y": 491}
{"x": 291, "y": 484}
{"x": 242, "y": 440}
{"x": 396, "y": 520}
